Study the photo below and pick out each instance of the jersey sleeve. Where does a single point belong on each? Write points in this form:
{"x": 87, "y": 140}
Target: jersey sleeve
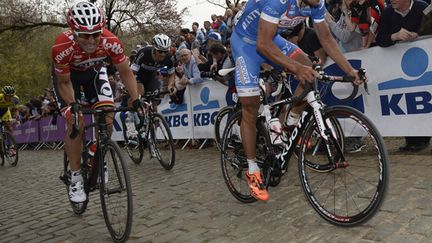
{"x": 273, "y": 10}
{"x": 113, "y": 47}
{"x": 61, "y": 53}
{"x": 318, "y": 13}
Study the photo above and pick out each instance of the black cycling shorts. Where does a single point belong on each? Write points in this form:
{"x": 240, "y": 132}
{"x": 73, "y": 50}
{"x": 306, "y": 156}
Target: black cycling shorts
{"x": 93, "y": 82}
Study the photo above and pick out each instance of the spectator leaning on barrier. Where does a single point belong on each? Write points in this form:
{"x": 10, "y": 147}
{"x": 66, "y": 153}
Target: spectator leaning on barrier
{"x": 205, "y": 63}
{"x": 190, "y": 68}
{"x": 180, "y": 83}
{"x": 400, "y": 22}
{"x": 223, "y": 60}
{"x": 367, "y": 14}
{"x": 346, "y": 32}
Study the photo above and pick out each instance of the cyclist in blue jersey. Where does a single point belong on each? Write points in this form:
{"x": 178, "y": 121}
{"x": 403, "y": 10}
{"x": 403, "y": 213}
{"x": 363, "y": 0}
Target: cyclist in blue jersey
{"x": 255, "y": 40}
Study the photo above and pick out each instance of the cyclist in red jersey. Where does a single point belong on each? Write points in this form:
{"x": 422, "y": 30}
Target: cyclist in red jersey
{"x": 78, "y": 58}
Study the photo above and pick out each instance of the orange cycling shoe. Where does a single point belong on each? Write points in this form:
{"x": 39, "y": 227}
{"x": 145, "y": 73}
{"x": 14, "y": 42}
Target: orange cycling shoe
{"x": 256, "y": 186}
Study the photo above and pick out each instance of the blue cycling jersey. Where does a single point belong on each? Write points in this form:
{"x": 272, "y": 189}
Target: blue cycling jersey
{"x": 285, "y": 13}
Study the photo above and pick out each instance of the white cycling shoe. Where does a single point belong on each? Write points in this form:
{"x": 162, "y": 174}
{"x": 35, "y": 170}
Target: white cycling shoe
{"x": 77, "y": 193}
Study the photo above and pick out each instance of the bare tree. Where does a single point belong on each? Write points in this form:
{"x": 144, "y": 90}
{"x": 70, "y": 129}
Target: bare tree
{"x": 139, "y": 16}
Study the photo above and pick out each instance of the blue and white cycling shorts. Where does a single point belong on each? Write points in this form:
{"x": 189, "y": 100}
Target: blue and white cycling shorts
{"x": 248, "y": 61}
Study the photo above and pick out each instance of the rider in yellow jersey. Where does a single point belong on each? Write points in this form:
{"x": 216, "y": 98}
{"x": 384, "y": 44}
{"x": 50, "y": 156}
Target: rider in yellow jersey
{"x": 8, "y": 100}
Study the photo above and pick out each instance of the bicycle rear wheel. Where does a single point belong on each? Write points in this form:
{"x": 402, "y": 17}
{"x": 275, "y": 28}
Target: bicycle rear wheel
{"x": 10, "y": 151}
{"x": 221, "y": 120}
{"x": 161, "y": 138}
{"x": 351, "y": 192}
{"x": 115, "y": 192}
{"x": 77, "y": 208}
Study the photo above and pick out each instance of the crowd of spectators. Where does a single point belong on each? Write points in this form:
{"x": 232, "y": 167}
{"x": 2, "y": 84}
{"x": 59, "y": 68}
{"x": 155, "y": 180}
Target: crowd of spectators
{"x": 201, "y": 50}
{"x": 36, "y": 107}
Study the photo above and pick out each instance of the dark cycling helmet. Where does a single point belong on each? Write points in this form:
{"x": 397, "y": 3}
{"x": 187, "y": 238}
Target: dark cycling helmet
{"x": 85, "y": 17}
{"x": 8, "y": 90}
{"x": 161, "y": 42}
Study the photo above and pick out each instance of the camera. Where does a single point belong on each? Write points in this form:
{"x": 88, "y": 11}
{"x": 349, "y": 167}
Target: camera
{"x": 209, "y": 74}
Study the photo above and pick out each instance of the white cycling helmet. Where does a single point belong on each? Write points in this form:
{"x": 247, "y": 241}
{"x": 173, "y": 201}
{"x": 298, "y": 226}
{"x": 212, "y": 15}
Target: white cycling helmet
{"x": 161, "y": 42}
{"x": 85, "y": 17}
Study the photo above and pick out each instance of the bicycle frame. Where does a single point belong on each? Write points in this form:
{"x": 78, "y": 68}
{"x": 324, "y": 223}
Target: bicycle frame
{"x": 312, "y": 111}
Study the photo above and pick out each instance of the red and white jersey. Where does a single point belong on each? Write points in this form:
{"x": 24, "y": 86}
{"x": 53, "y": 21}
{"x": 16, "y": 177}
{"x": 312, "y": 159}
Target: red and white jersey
{"x": 66, "y": 53}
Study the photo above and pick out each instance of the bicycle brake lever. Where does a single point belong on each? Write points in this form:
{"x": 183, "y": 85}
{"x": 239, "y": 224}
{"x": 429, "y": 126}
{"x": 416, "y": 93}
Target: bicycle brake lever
{"x": 362, "y": 74}
{"x": 365, "y": 86}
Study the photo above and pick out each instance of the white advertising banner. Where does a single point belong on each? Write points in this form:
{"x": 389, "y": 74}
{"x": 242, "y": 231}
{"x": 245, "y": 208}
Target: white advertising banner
{"x": 206, "y": 100}
{"x": 178, "y": 117}
{"x": 400, "y": 87}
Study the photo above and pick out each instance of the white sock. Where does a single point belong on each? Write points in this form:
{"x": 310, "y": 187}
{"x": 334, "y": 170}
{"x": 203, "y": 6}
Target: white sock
{"x": 76, "y": 176}
{"x": 253, "y": 166}
{"x": 292, "y": 119}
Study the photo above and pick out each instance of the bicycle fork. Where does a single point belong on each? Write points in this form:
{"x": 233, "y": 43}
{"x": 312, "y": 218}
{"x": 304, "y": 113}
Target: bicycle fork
{"x": 326, "y": 132}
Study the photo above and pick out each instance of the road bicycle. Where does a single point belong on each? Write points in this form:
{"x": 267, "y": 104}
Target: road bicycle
{"x": 345, "y": 189}
{"x": 8, "y": 147}
{"x": 106, "y": 171}
{"x": 154, "y": 134}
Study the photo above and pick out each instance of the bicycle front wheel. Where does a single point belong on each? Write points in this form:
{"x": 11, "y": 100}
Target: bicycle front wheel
{"x": 346, "y": 189}
{"x": 115, "y": 192}
{"x": 10, "y": 151}
{"x": 162, "y": 141}
{"x": 221, "y": 120}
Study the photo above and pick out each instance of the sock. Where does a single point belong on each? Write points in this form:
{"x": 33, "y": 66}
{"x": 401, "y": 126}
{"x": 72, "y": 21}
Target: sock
{"x": 292, "y": 119}
{"x": 76, "y": 176}
{"x": 253, "y": 166}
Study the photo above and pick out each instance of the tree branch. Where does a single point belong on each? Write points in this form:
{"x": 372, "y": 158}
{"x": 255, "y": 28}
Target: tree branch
{"x": 30, "y": 26}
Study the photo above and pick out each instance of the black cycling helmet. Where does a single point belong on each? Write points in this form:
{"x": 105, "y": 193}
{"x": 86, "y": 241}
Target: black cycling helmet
{"x": 8, "y": 90}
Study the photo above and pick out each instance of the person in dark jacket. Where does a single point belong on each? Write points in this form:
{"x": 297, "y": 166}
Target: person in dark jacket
{"x": 401, "y": 21}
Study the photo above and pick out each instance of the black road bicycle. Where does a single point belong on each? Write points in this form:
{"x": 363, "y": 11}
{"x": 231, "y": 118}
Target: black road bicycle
{"x": 8, "y": 147}
{"x": 108, "y": 172}
{"x": 153, "y": 134}
{"x": 345, "y": 189}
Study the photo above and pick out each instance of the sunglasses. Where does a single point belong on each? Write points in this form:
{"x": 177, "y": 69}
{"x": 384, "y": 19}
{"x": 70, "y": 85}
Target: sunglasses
{"x": 160, "y": 51}
{"x": 87, "y": 36}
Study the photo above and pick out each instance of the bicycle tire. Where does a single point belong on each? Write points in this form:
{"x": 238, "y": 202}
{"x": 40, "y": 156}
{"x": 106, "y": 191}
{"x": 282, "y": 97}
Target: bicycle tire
{"x": 219, "y": 119}
{"x": 112, "y": 169}
{"x": 77, "y": 208}
{"x": 8, "y": 141}
{"x": 370, "y": 179}
{"x": 161, "y": 141}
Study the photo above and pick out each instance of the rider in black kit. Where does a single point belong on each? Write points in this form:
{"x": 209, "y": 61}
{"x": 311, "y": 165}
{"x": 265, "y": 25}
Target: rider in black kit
{"x": 154, "y": 65}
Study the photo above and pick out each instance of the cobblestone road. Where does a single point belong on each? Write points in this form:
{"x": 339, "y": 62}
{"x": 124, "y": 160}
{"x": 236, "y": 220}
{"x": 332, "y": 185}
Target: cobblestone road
{"x": 192, "y": 204}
